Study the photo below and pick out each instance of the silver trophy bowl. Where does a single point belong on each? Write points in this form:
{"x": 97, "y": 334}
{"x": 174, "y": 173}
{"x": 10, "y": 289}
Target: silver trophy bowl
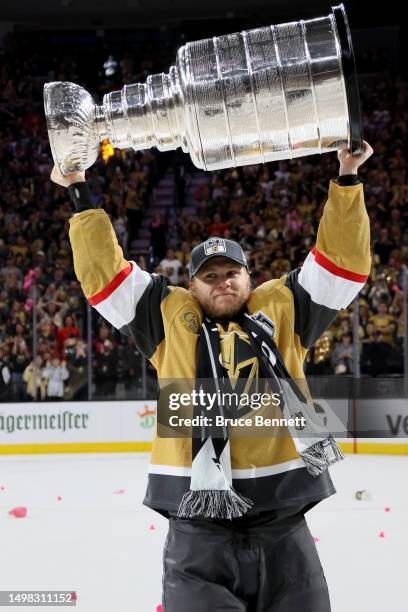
{"x": 267, "y": 94}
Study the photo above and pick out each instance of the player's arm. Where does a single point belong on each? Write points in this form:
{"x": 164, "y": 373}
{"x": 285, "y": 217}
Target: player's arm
{"x": 124, "y": 294}
{"x": 338, "y": 266}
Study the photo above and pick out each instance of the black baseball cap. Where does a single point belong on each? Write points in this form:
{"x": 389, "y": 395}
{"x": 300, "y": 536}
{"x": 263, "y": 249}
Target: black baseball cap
{"x": 216, "y": 247}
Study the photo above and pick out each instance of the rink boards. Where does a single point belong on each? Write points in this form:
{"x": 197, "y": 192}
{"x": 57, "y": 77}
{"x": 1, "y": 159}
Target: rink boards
{"x": 129, "y": 426}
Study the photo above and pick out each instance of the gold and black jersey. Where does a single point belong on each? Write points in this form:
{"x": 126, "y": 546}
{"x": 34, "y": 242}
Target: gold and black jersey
{"x": 165, "y": 322}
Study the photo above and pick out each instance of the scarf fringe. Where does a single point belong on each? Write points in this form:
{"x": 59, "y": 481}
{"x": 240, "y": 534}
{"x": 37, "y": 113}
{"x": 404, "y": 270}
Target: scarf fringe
{"x": 321, "y": 455}
{"x": 226, "y": 504}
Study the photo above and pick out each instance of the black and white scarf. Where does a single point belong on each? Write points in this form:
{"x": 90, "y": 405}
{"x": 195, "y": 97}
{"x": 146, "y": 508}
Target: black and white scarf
{"x": 211, "y": 492}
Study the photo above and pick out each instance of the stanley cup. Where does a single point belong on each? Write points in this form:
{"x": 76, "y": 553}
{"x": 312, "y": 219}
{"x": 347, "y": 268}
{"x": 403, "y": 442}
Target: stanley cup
{"x": 271, "y": 93}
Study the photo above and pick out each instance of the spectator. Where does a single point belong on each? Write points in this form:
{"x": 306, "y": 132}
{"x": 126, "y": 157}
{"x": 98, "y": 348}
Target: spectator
{"x": 103, "y": 334}
{"x": 379, "y": 292}
{"x": 5, "y": 377}
{"x": 131, "y": 359}
{"x": 171, "y": 267}
{"x": 68, "y": 330}
{"x": 342, "y": 356}
{"x": 384, "y": 323}
{"x": 376, "y": 355}
{"x": 384, "y": 246}
{"x": 75, "y": 354}
{"x": 183, "y": 255}
{"x": 55, "y": 373}
{"x": 120, "y": 227}
{"x": 105, "y": 364}
{"x": 36, "y": 387}
{"x": 19, "y": 360}
{"x": 52, "y": 312}
{"x": 217, "y": 227}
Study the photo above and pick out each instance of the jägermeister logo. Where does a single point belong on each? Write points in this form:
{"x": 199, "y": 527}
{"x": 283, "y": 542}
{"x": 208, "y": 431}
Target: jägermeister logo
{"x": 47, "y": 421}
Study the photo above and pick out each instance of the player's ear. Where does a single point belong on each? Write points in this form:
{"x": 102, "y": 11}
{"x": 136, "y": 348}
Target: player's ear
{"x": 252, "y": 283}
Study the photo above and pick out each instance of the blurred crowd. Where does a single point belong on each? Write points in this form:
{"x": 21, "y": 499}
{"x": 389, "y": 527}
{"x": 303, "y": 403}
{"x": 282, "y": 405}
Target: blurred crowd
{"x": 43, "y": 355}
{"x": 273, "y": 210}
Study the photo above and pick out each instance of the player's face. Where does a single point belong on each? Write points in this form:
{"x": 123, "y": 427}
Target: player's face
{"x": 221, "y": 287}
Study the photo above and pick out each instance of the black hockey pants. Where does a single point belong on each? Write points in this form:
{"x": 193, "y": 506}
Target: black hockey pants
{"x": 264, "y": 563}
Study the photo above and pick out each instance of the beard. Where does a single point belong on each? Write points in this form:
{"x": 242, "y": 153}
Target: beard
{"x": 225, "y": 311}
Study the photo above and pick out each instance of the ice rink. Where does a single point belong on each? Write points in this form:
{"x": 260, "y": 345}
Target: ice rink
{"x": 87, "y": 531}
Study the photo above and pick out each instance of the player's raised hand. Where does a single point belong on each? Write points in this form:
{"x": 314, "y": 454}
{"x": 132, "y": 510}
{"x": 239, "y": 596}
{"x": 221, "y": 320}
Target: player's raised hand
{"x": 349, "y": 163}
{"x": 69, "y": 179}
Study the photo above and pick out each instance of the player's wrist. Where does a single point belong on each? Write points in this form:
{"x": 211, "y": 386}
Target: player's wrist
{"x": 344, "y": 171}
{"x": 81, "y": 196}
{"x": 71, "y": 179}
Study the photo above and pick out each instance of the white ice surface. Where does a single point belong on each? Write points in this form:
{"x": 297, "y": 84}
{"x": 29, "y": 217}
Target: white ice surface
{"x": 99, "y": 544}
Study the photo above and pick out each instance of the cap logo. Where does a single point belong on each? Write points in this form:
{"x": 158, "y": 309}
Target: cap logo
{"x": 214, "y": 245}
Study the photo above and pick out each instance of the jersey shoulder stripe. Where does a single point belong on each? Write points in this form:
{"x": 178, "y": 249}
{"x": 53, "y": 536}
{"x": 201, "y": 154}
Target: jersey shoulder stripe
{"x": 111, "y": 287}
{"x": 118, "y": 301}
{"x": 325, "y": 286}
{"x": 322, "y": 261}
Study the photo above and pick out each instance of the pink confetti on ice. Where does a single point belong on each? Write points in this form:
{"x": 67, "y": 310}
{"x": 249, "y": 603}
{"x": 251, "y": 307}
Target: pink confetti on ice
{"x": 19, "y": 512}
{"x": 387, "y": 509}
{"x": 2, "y": 488}
{"x": 59, "y": 498}
{"x": 316, "y": 539}
{"x": 152, "y": 527}
{"x": 119, "y": 491}
{"x": 381, "y": 534}
{"x": 74, "y": 596}
{"x": 159, "y": 608}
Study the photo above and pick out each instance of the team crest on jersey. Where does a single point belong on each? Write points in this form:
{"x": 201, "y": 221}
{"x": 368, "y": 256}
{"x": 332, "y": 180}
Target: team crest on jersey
{"x": 214, "y": 245}
{"x": 190, "y": 322}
